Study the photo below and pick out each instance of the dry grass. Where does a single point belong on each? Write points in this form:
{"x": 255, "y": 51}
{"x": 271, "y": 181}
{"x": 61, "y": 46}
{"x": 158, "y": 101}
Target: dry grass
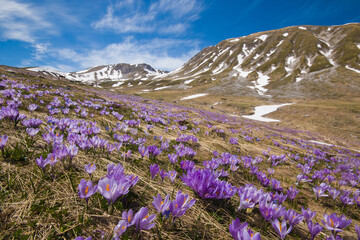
{"x": 36, "y": 205}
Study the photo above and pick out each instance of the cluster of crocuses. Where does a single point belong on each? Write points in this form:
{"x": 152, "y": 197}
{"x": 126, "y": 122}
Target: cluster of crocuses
{"x": 141, "y": 220}
{"x": 206, "y": 183}
{"x": 12, "y": 114}
{"x": 175, "y": 208}
{"x": 155, "y": 169}
{"x": 241, "y": 232}
{"x": 114, "y": 185}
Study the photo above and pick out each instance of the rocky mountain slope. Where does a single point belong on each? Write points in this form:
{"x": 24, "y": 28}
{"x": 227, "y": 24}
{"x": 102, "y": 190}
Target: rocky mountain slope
{"x": 293, "y": 61}
{"x": 118, "y": 73}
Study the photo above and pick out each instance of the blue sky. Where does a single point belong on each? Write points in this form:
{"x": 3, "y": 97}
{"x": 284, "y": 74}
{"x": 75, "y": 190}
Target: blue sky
{"x": 74, "y": 35}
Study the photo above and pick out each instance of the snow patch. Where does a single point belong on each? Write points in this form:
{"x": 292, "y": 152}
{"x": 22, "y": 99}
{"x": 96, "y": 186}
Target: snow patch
{"x": 117, "y": 84}
{"x": 358, "y": 45}
{"x": 322, "y": 143}
{"x": 261, "y": 82}
{"x": 290, "y": 60}
{"x": 234, "y": 40}
{"x": 220, "y": 68}
{"x": 352, "y": 69}
{"x": 263, "y": 37}
{"x": 160, "y": 88}
{"x": 285, "y": 34}
{"x": 280, "y": 43}
{"x": 256, "y": 56}
{"x": 303, "y": 28}
{"x": 270, "y": 53}
{"x": 238, "y": 68}
{"x": 261, "y": 111}
{"x": 194, "y": 96}
{"x": 298, "y": 79}
{"x": 309, "y": 62}
{"x": 189, "y": 81}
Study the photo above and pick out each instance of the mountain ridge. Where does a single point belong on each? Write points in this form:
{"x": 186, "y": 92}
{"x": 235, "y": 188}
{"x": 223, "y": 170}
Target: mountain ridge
{"x": 291, "y": 61}
{"x": 293, "y": 56}
{"x": 119, "y": 72}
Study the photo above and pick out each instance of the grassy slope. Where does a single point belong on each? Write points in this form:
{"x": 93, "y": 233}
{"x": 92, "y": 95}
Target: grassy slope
{"x": 37, "y": 206}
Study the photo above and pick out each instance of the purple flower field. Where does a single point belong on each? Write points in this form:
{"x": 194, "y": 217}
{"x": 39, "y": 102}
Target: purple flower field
{"x": 80, "y": 163}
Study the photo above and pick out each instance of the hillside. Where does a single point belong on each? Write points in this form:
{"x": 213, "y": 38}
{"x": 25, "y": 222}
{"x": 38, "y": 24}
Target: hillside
{"x": 58, "y": 135}
{"x": 299, "y": 61}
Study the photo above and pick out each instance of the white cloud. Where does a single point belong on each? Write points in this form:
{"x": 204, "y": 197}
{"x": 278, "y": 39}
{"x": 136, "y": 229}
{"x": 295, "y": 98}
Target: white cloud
{"x": 19, "y": 21}
{"x": 163, "y": 16}
{"x": 40, "y": 50}
{"x": 153, "y": 52}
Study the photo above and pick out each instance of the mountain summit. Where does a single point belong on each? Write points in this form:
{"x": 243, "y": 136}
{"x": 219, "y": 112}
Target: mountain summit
{"x": 119, "y": 73}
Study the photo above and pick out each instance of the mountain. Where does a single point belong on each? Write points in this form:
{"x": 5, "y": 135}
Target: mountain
{"x": 295, "y": 61}
{"x": 118, "y": 73}
{"x": 299, "y": 61}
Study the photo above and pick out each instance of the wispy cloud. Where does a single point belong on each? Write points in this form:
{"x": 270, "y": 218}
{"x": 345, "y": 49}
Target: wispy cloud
{"x": 20, "y": 21}
{"x": 40, "y": 50}
{"x": 153, "y": 52}
{"x": 162, "y": 16}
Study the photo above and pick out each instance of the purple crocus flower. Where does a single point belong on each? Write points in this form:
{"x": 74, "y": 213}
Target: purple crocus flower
{"x": 233, "y": 167}
{"x": 334, "y": 193}
{"x": 275, "y": 184}
{"x": 112, "y": 189}
{"x": 32, "y": 107}
{"x": 236, "y": 227}
{"x": 234, "y": 141}
{"x": 319, "y": 192}
{"x": 119, "y": 229}
{"x": 32, "y": 123}
{"x": 52, "y": 159}
{"x": 245, "y": 200}
{"x": 163, "y": 174}
{"x": 271, "y": 211}
{"x": 334, "y": 223}
{"x": 3, "y": 141}
{"x": 346, "y": 200}
{"x": 90, "y": 168}
{"x": 280, "y": 228}
{"x": 172, "y": 175}
{"x": 187, "y": 165}
{"x": 143, "y": 151}
{"x": 292, "y": 192}
{"x": 240, "y": 232}
{"x": 86, "y": 189}
{"x": 161, "y": 205}
{"x": 357, "y": 230}
{"x": 293, "y": 217}
{"x": 41, "y": 162}
{"x": 180, "y": 205}
{"x": 143, "y": 220}
{"x": 154, "y": 169}
{"x": 127, "y": 154}
{"x": 308, "y": 214}
{"x": 314, "y": 229}
{"x": 32, "y": 131}
{"x": 128, "y": 217}
{"x": 173, "y": 158}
